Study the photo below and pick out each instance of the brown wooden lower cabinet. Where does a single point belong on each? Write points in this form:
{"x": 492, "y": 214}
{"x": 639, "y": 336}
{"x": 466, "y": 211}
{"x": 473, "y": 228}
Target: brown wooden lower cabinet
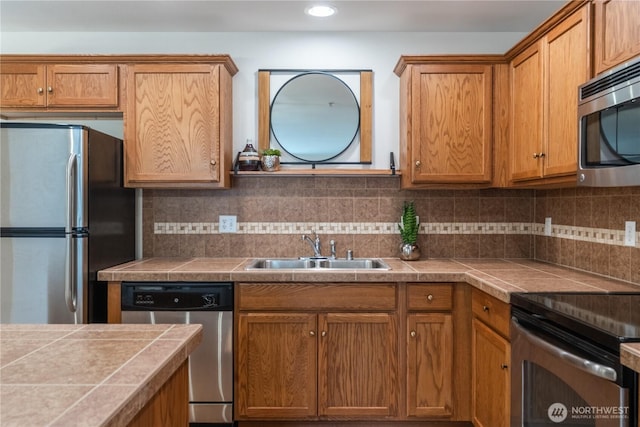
{"x": 491, "y": 356}
{"x": 170, "y": 405}
{"x": 325, "y": 354}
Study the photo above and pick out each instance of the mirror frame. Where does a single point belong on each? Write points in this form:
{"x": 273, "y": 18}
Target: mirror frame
{"x": 365, "y": 101}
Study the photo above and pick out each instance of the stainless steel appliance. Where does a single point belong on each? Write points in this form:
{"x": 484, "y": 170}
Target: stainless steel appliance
{"x": 64, "y": 215}
{"x": 609, "y": 128}
{"x": 211, "y": 364}
{"x": 565, "y": 350}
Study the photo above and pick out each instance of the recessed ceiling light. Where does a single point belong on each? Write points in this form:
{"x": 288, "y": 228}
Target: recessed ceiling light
{"x": 321, "y": 11}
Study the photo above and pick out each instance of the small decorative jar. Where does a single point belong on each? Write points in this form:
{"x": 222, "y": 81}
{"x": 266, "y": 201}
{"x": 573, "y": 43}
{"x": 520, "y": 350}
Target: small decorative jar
{"x": 249, "y": 160}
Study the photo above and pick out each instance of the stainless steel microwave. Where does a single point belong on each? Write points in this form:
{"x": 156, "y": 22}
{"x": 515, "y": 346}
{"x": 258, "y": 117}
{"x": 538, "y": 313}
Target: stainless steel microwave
{"x": 609, "y": 128}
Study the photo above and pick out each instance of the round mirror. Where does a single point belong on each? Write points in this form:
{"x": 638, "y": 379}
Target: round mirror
{"x": 315, "y": 116}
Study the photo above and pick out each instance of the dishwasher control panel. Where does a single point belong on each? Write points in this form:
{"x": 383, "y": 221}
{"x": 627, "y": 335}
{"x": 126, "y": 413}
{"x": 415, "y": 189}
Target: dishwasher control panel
{"x": 177, "y": 296}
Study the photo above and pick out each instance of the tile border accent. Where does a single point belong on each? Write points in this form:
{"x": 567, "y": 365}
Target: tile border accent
{"x": 585, "y": 234}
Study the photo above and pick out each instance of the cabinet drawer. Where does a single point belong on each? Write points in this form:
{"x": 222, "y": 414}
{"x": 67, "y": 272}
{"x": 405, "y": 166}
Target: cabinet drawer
{"x": 309, "y": 296}
{"x": 491, "y": 311}
{"x": 430, "y": 297}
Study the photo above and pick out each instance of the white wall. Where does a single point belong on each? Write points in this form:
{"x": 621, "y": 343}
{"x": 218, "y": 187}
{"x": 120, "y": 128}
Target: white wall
{"x": 253, "y": 51}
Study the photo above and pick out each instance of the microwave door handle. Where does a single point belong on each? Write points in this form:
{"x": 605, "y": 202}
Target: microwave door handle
{"x": 574, "y": 360}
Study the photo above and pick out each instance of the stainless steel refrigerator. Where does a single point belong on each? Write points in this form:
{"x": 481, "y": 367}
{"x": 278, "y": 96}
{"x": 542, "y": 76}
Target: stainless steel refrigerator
{"x": 64, "y": 215}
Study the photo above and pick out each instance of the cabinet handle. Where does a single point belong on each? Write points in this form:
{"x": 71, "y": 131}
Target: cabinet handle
{"x": 312, "y": 333}
{"x": 49, "y": 89}
{"x": 538, "y": 155}
{"x": 324, "y": 333}
{"x": 418, "y": 163}
{"x": 429, "y": 297}
{"x": 504, "y": 366}
{"x": 485, "y": 308}
{"x": 413, "y": 334}
{"x": 40, "y": 90}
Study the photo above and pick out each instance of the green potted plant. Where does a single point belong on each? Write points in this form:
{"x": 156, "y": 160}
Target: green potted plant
{"x": 270, "y": 160}
{"x": 409, "y": 227}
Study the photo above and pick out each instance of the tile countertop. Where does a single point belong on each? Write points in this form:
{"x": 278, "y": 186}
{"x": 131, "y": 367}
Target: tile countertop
{"x": 497, "y": 277}
{"x": 86, "y": 375}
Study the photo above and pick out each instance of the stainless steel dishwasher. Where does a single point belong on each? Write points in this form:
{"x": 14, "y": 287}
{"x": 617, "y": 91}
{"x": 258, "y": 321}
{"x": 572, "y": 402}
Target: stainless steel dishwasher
{"x": 211, "y": 364}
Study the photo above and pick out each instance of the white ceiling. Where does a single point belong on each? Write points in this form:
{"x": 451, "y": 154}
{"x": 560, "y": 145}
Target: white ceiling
{"x": 268, "y": 15}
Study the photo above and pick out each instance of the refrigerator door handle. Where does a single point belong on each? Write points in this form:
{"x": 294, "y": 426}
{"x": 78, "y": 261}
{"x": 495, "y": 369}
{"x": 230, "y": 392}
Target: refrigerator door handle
{"x": 70, "y": 279}
{"x": 72, "y": 172}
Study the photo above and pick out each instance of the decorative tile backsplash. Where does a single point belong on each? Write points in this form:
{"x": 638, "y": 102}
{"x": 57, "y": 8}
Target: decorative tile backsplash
{"x": 360, "y": 213}
{"x": 584, "y": 234}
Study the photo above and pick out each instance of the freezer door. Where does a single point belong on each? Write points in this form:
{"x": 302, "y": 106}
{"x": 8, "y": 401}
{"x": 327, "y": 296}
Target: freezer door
{"x": 34, "y": 166}
{"x": 35, "y": 276}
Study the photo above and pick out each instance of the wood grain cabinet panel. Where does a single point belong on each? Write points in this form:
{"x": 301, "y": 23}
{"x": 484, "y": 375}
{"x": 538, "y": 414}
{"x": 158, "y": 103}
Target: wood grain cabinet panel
{"x": 617, "y": 33}
{"x": 357, "y": 373}
{"x": 318, "y": 363}
{"x": 276, "y": 365}
{"x": 59, "y": 85}
{"x": 178, "y": 126}
{"x": 430, "y": 365}
{"x": 491, "y": 358}
{"x": 446, "y": 123}
{"x": 544, "y": 86}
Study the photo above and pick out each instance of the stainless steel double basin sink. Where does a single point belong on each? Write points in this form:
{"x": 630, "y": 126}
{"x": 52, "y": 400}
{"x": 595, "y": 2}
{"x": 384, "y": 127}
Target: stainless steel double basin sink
{"x": 317, "y": 264}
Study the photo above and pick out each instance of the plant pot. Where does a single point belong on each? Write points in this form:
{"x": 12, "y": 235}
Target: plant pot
{"x": 270, "y": 163}
{"x": 409, "y": 252}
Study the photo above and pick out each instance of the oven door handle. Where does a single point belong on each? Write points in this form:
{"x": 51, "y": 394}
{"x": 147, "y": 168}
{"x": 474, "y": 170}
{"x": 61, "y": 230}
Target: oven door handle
{"x": 576, "y": 361}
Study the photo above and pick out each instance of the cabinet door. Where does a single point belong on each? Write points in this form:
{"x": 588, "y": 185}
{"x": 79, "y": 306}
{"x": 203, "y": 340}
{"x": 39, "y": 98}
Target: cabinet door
{"x": 491, "y": 395}
{"x": 429, "y": 365}
{"x": 22, "y": 85}
{"x": 567, "y": 67}
{"x": 82, "y": 85}
{"x": 276, "y": 365}
{"x": 617, "y": 32}
{"x": 172, "y": 124}
{"x": 526, "y": 113}
{"x": 357, "y": 373}
{"x": 451, "y": 123}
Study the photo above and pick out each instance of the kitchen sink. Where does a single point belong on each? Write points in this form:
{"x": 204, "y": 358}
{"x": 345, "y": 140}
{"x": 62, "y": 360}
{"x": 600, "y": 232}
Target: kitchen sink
{"x": 317, "y": 264}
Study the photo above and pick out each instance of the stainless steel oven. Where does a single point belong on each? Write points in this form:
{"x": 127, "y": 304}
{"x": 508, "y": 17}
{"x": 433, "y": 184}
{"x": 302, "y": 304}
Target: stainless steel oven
{"x": 566, "y": 360}
{"x": 211, "y": 364}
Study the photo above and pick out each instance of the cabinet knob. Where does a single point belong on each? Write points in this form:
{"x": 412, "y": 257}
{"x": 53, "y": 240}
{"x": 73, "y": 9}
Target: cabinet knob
{"x": 430, "y": 297}
{"x": 418, "y": 163}
{"x": 538, "y": 155}
{"x": 485, "y": 308}
{"x": 504, "y": 366}
{"x": 312, "y": 333}
{"x": 324, "y": 333}
{"x": 49, "y": 89}
{"x": 40, "y": 90}
{"x": 413, "y": 334}
{"x": 213, "y": 162}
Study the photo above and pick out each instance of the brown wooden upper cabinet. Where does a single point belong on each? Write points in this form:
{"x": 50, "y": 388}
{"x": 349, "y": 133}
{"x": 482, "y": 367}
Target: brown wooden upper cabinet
{"x": 28, "y": 85}
{"x": 445, "y": 121}
{"x": 544, "y": 93}
{"x": 178, "y": 124}
{"x": 617, "y": 32}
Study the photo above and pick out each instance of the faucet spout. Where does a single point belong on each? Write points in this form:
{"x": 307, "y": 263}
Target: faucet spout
{"x": 315, "y": 244}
